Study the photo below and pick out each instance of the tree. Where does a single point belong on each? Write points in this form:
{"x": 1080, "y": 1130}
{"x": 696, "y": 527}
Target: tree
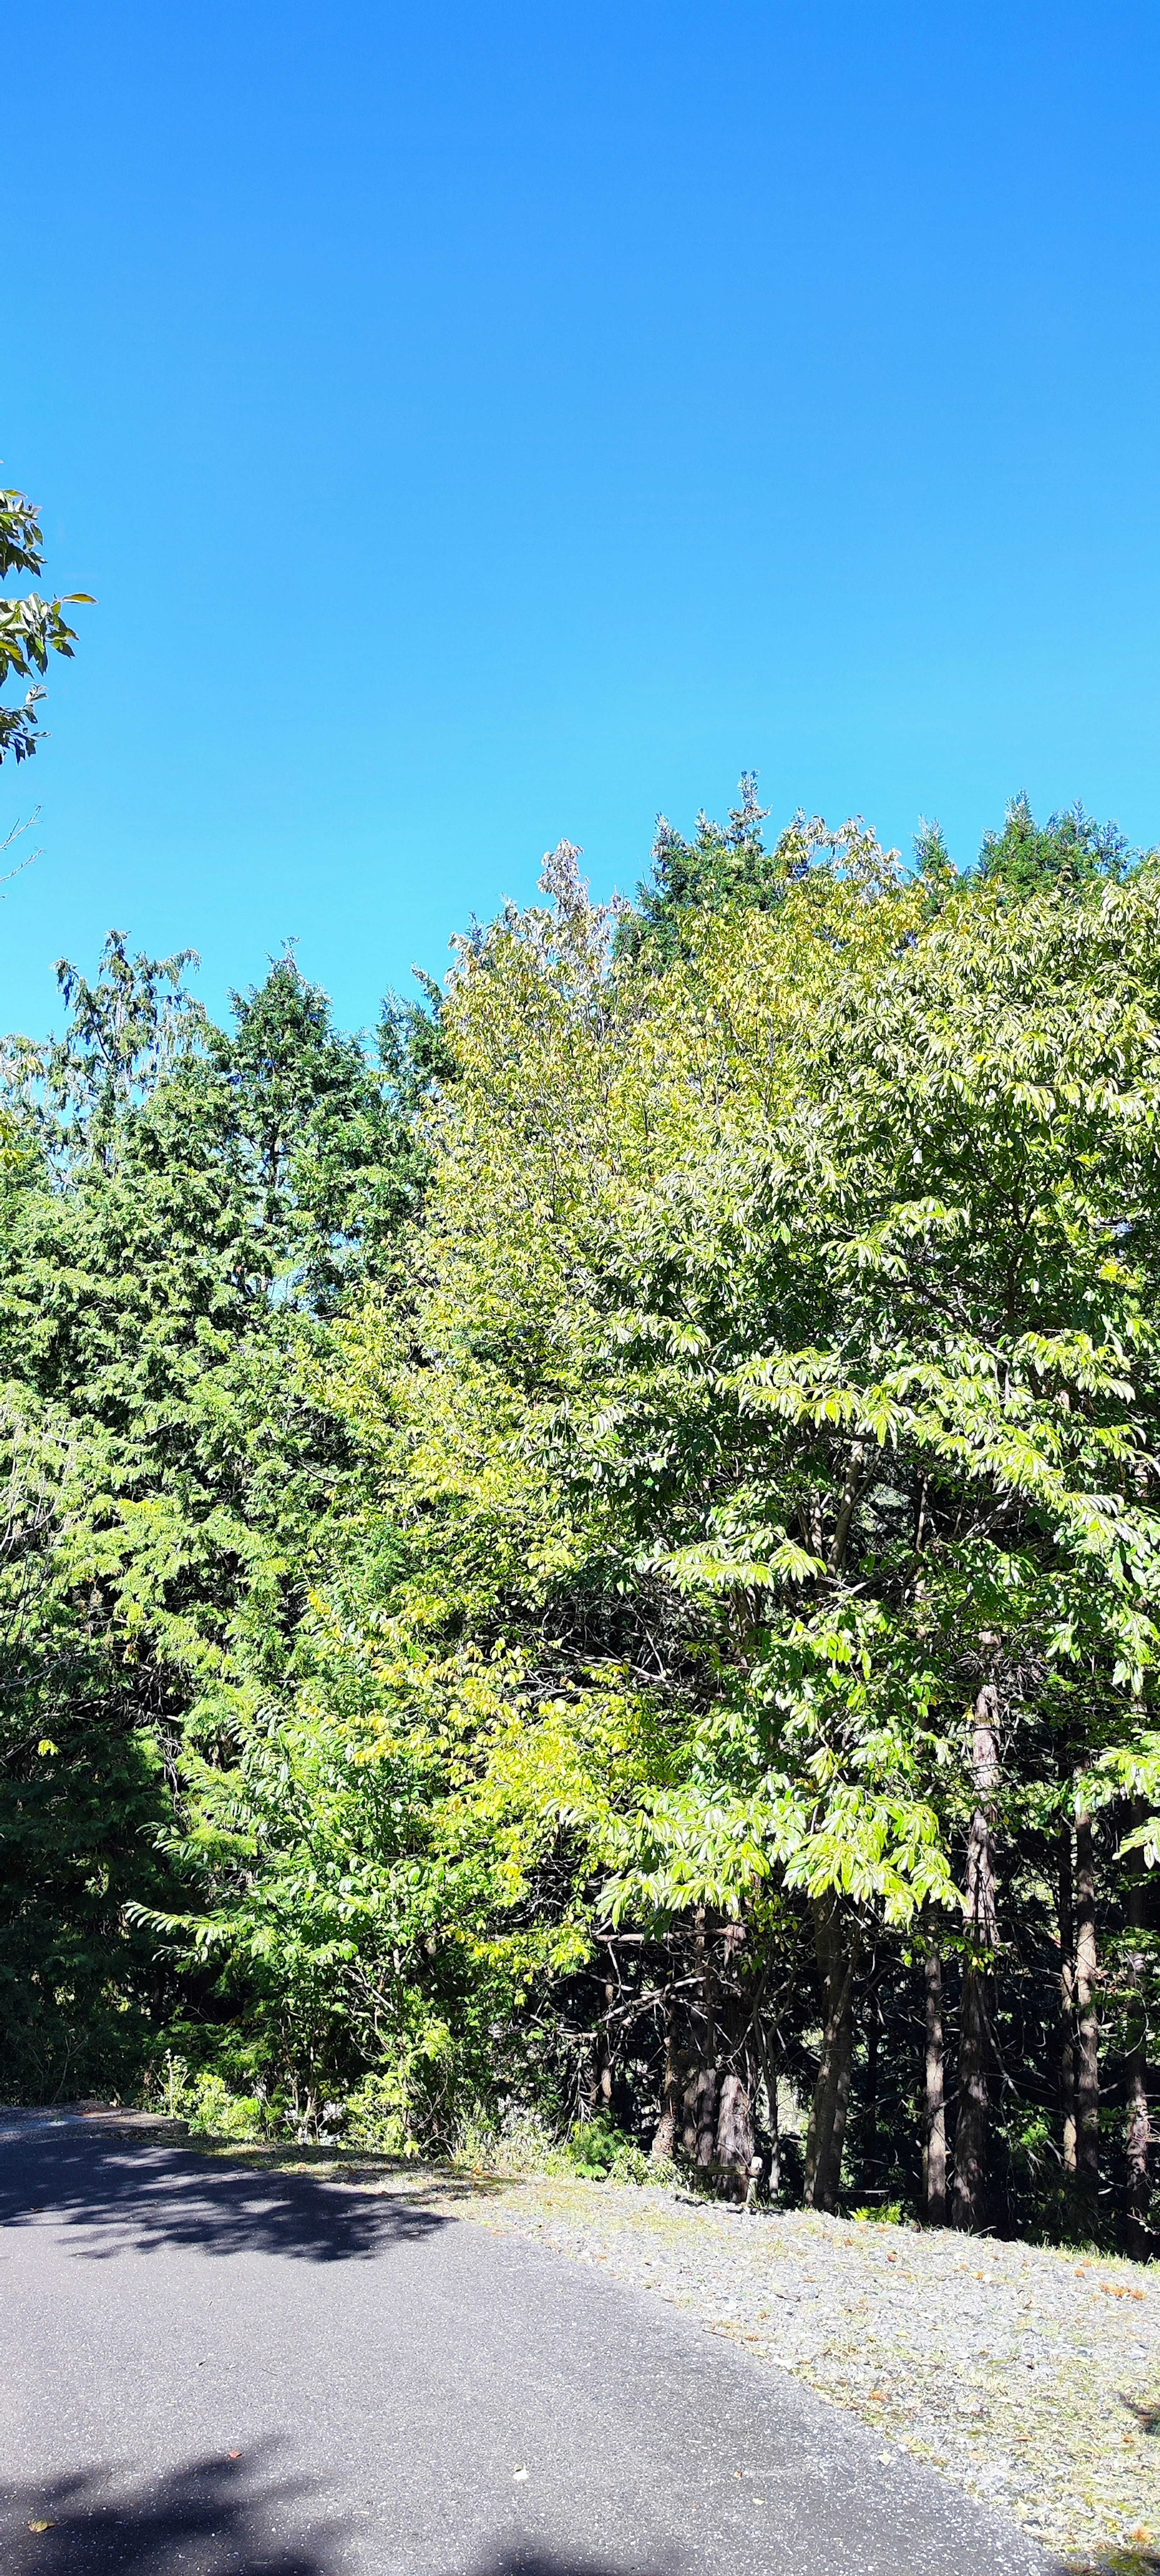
{"x": 724, "y": 866}
{"x": 30, "y": 627}
{"x": 323, "y": 1136}
{"x": 160, "y": 1408}
{"x": 612, "y": 1558}
{"x": 767, "y": 1437}
{"x": 1070, "y": 851}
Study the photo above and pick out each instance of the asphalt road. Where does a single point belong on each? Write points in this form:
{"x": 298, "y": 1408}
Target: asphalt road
{"x": 206, "y": 2370}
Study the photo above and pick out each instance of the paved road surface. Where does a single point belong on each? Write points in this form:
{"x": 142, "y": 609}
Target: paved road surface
{"x": 207, "y": 2370}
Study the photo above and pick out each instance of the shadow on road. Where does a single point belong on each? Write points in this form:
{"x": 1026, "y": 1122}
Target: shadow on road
{"x": 548, "y": 2562}
{"x": 152, "y": 2197}
{"x": 215, "y": 2517}
{"x": 221, "y": 2517}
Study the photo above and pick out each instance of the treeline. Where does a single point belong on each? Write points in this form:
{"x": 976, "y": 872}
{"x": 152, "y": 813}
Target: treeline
{"x": 600, "y": 1560}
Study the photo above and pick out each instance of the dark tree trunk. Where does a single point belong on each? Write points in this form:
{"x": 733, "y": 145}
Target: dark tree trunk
{"x": 736, "y": 2143}
{"x": 774, "y": 2133}
{"x": 689, "y": 2114}
{"x": 1087, "y": 2087}
{"x": 837, "y": 1947}
{"x": 934, "y": 2158}
{"x": 1138, "y": 2119}
{"x": 869, "y": 2153}
{"x": 1067, "y": 2009}
{"x": 699, "y": 2127}
{"x": 705, "y": 2117}
{"x": 664, "y": 2143}
{"x": 972, "y": 2119}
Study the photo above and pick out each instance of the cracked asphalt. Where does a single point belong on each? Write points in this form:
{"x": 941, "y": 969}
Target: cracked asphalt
{"x": 211, "y": 2371}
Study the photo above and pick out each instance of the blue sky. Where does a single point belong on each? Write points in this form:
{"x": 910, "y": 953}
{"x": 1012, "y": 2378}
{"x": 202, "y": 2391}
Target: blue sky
{"x": 482, "y": 424}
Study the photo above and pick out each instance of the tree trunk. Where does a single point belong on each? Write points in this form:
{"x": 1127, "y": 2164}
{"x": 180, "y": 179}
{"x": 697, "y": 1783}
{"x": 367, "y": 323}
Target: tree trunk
{"x": 600, "y": 2087}
{"x": 1067, "y": 2004}
{"x": 980, "y": 1911}
{"x": 869, "y": 2158}
{"x": 980, "y": 1923}
{"x": 934, "y": 2157}
{"x": 665, "y": 2140}
{"x": 1138, "y": 2139}
{"x": 736, "y": 2143}
{"x": 1138, "y": 2121}
{"x": 1087, "y": 2087}
{"x": 704, "y": 2089}
{"x": 972, "y": 2117}
{"x": 705, "y": 2085}
{"x": 837, "y": 1948}
{"x": 774, "y": 2135}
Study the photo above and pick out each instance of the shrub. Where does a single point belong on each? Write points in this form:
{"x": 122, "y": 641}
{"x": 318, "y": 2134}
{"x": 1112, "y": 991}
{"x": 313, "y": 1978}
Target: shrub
{"x": 601, "y": 2152}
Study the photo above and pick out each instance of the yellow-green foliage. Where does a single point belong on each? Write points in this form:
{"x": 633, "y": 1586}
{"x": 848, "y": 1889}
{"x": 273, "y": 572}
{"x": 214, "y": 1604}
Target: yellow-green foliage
{"x": 724, "y": 1267}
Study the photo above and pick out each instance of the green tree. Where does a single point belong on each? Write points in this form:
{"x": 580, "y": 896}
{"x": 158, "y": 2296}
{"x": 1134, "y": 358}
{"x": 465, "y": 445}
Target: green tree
{"x": 770, "y": 1539}
{"x": 1071, "y": 850}
{"x": 30, "y": 627}
{"x": 725, "y": 865}
{"x": 159, "y": 1367}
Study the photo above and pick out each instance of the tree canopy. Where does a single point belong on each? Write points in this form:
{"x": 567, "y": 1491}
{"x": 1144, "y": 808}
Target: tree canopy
{"x": 605, "y": 1564}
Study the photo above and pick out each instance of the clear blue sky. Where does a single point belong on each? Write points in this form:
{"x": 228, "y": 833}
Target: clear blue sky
{"x": 482, "y": 423}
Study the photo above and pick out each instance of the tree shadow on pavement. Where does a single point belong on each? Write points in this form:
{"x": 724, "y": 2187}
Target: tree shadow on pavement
{"x": 222, "y": 2517}
{"x": 213, "y": 2517}
{"x": 533, "y": 2561}
{"x": 146, "y": 2198}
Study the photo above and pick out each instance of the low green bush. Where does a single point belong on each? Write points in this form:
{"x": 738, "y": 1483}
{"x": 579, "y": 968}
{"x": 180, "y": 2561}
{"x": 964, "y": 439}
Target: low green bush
{"x": 601, "y": 2152}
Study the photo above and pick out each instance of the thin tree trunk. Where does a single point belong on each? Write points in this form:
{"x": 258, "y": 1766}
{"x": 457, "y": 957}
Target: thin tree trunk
{"x": 838, "y": 1959}
{"x": 689, "y": 2113}
{"x": 972, "y": 2120}
{"x": 1138, "y": 2120}
{"x": 600, "y": 2087}
{"x": 1138, "y": 2139}
{"x": 1067, "y": 2005}
{"x": 869, "y": 2153}
{"x": 934, "y": 2158}
{"x": 666, "y": 2137}
{"x": 774, "y": 2134}
{"x": 852, "y": 1487}
{"x": 704, "y": 2081}
{"x": 1087, "y": 2089}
